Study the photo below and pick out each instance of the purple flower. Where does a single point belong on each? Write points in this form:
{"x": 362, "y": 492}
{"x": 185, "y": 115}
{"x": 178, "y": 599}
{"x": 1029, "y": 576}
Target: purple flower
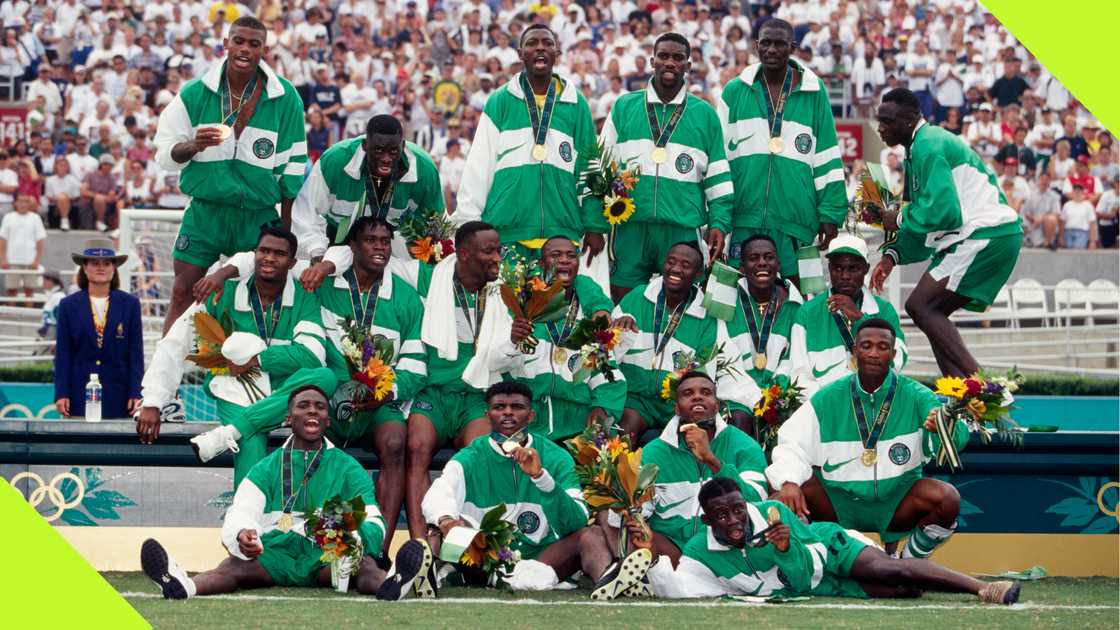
{"x": 993, "y": 388}
{"x": 505, "y": 555}
{"x": 617, "y": 187}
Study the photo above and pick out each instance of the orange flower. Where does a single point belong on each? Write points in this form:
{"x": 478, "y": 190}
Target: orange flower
{"x": 628, "y": 180}
{"x": 536, "y": 284}
{"x": 615, "y": 446}
{"x": 382, "y": 375}
{"x": 422, "y": 249}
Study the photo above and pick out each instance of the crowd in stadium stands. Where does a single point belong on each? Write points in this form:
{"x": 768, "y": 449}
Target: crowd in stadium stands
{"x": 96, "y": 75}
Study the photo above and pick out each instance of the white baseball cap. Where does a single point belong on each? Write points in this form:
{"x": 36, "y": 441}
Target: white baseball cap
{"x": 848, "y": 244}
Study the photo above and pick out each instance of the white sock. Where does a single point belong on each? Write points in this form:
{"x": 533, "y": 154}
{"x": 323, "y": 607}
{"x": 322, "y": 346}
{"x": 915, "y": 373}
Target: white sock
{"x": 925, "y": 540}
{"x": 533, "y": 575}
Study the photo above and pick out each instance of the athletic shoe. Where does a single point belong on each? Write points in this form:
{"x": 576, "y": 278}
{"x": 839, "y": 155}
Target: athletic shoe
{"x": 214, "y": 442}
{"x": 641, "y": 589}
{"x": 1005, "y": 592}
{"x": 620, "y": 576}
{"x": 165, "y": 572}
{"x": 173, "y": 412}
{"x": 64, "y": 224}
{"x": 414, "y": 558}
{"x": 427, "y": 585}
{"x": 101, "y": 227}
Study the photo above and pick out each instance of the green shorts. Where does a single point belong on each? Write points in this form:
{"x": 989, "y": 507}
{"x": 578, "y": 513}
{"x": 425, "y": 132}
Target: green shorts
{"x": 843, "y": 549}
{"x": 290, "y": 559}
{"x": 356, "y": 429}
{"x": 866, "y": 516}
{"x": 977, "y": 268}
{"x": 449, "y": 410}
{"x": 640, "y": 250}
{"x": 786, "y": 245}
{"x": 210, "y": 230}
{"x": 558, "y": 419}
{"x": 655, "y": 410}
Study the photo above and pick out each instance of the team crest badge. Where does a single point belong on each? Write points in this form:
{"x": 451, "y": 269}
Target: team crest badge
{"x": 803, "y": 143}
{"x": 528, "y": 522}
{"x": 182, "y": 242}
{"x": 120, "y": 331}
{"x": 263, "y": 148}
{"x": 684, "y": 163}
{"x": 899, "y": 453}
{"x": 566, "y": 151}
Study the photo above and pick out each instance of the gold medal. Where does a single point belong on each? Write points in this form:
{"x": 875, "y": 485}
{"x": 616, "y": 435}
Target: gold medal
{"x": 285, "y": 523}
{"x": 224, "y": 131}
{"x": 852, "y": 364}
{"x": 760, "y": 360}
{"x": 869, "y": 457}
{"x": 776, "y": 145}
{"x": 539, "y": 153}
{"x": 660, "y": 155}
{"x": 559, "y": 355}
{"x": 773, "y": 515}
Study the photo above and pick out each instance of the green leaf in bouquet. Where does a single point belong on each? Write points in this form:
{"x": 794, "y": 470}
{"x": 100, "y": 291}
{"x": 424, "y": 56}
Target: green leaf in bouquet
{"x": 646, "y": 477}
{"x": 584, "y": 332}
{"x": 382, "y": 348}
{"x": 492, "y": 519}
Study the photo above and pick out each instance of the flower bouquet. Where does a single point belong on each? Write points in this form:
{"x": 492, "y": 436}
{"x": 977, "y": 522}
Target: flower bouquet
{"x": 488, "y": 549}
{"x": 369, "y": 359}
{"x": 873, "y": 198}
{"x": 209, "y": 337}
{"x": 594, "y": 339}
{"x": 773, "y": 409}
{"x": 428, "y": 234}
{"x": 611, "y": 183}
{"x": 334, "y": 528}
{"x": 612, "y": 476}
{"x": 528, "y": 294}
{"x": 685, "y": 362}
{"x": 983, "y": 402}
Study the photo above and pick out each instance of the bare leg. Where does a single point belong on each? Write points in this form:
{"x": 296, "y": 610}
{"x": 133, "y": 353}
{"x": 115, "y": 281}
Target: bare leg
{"x": 745, "y": 422}
{"x": 370, "y": 577}
{"x": 389, "y": 442}
{"x": 475, "y": 429}
{"x": 617, "y": 293}
{"x": 564, "y": 555}
{"x": 422, "y": 445}
{"x": 232, "y": 574}
{"x": 820, "y": 506}
{"x": 633, "y": 424}
{"x": 929, "y": 502}
{"x": 929, "y": 306}
{"x": 99, "y": 205}
{"x": 62, "y": 202}
{"x": 872, "y": 566}
{"x": 595, "y": 552}
{"x": 186, "y": 275}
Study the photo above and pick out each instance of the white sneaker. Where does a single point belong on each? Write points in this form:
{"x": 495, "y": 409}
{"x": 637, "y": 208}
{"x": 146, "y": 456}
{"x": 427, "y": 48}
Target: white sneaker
{"x": 215, "y": 442}
{"x": 101, "y": 227}
{"x": 165, "y": 572}
{"x": 64, "y": 224}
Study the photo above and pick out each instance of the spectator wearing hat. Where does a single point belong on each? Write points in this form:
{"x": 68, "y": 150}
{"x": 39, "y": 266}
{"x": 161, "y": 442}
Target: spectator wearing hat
{"x": 101, "y": 191}
{"x": 1017, "y": 149}
{"x": 1080, "y": 176}
{"x": 99, "y": 331}
{"x": 984, "y": 133}
{"x": 1041, "y": 212}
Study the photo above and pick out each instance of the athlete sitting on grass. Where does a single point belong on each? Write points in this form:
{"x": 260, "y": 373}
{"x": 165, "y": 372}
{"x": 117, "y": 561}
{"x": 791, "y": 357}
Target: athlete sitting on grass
{"x": 763, "y": 549}
{"x": 264, "y": 528}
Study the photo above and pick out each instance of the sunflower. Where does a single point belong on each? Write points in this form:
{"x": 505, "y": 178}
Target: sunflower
{"x": 951, "y": 386}
{"x": 617, "y": 209}
{"x": 667, "y": 387}
{"x": 383, "y": 377}
{"x": 422, "y": 249}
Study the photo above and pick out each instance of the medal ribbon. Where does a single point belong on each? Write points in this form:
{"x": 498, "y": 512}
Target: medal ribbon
{"x": 760, "y": 339}
{"x": 869, "y": 435}
{"x": 540, "y": 119}
{"x": 479, "y": 307}
{"x": 229, "y": 115}
{"x": 99, "y": 324}
{"x": 845, "y": 329}
{"x": 559, "y": 336}
{"x": 661, "y": 135}
{"x": 775, "y": 117}
{"x": 289, "y": 493}
{"x": 384, "y": 202}
{"x": 360, "y": 300}
{"x": 659, "y": 340}
{"x": 263, "y": 329}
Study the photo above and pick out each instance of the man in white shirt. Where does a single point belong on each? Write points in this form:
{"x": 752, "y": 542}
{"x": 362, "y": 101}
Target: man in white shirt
{"x": 21, "y": 246}
{"x": 868, "y": 79}
{"x": 486, "y": 87}
{"x": 505, "y": 53}
{"x": 9, "y": 182}
{"x": 920, "y": 67}
{"x": 116, "y": 79}
{"x": 81, "y": 162}
{"x": 1056, "y": 96}
{"x": 984, "y": 133}
{"x": 451, "y": 173}
{"x": 949, "y": 86}
{"x": 62, "y": 189}
{"x": 358, "y": 100}
{"x": 44, "y": 87}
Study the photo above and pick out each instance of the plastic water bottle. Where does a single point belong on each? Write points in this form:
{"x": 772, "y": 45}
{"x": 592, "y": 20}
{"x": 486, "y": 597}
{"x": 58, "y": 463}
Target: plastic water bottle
{"x": 93, "y": 399}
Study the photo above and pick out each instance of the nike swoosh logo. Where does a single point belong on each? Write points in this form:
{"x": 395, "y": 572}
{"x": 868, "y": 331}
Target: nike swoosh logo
{"x": 502, "y": 154}
{"x": 819, "y": 373}
{"x": 830, "y": 468}
{"x": 732, "y": 145}
{"x": 669, "y": 506}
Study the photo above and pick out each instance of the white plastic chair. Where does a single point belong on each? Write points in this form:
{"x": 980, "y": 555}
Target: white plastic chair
{"x": 1071, "y": 300}
{"x": 1103, "y": 296}
{"x": 1028, "y": 299}
{"x": 1001, "y": 308}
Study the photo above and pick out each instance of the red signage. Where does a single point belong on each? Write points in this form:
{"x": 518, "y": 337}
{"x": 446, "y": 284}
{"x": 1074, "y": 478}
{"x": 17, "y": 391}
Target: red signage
{"x": 13, "y": 125}
{"x": 849, "y": 137}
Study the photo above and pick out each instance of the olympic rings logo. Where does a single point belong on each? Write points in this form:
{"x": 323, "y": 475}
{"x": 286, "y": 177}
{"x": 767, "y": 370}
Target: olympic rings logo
{"x": 23, "y": 412}
{"x": 1100, "y": 500}
{"x": 51, "y": 491}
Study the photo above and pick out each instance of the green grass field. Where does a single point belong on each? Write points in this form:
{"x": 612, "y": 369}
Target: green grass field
{"x": 1049, "y": 603}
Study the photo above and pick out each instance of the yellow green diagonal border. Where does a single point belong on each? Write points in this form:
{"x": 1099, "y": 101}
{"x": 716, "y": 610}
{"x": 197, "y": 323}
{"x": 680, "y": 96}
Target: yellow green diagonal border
{"x": 1076, "y": 41}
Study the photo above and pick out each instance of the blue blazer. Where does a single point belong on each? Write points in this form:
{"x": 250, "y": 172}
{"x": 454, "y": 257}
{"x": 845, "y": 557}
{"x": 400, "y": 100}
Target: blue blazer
{"x": 119, "y": 364}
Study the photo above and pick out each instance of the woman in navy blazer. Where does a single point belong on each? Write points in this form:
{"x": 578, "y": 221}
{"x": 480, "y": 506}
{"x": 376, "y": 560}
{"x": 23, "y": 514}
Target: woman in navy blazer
{"x": 93, "y": 338}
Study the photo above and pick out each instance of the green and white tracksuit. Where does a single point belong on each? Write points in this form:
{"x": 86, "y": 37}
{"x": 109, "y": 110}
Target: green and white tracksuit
{"x": 676, "y": 506}
{"x": 295, "y": 356}
{"x": 480, "y": 477}
{"x": 777, "y": 345}
{"x": 789, "y": 194}
{"x": 818, "y": 355}
{"x": 292, "y": 558}
{"x": 958, "y": 215}
{"x": 673, "y": 200}
{"x": 235, "y": 186}
{"x": 527, "y": 200}
{"x": 824, "y": 434}
{"x": 562, "y": 404}
{"x": 697, "y": 335}
{"x": 334, "y": 194}
{"x": 818, "y": 562}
